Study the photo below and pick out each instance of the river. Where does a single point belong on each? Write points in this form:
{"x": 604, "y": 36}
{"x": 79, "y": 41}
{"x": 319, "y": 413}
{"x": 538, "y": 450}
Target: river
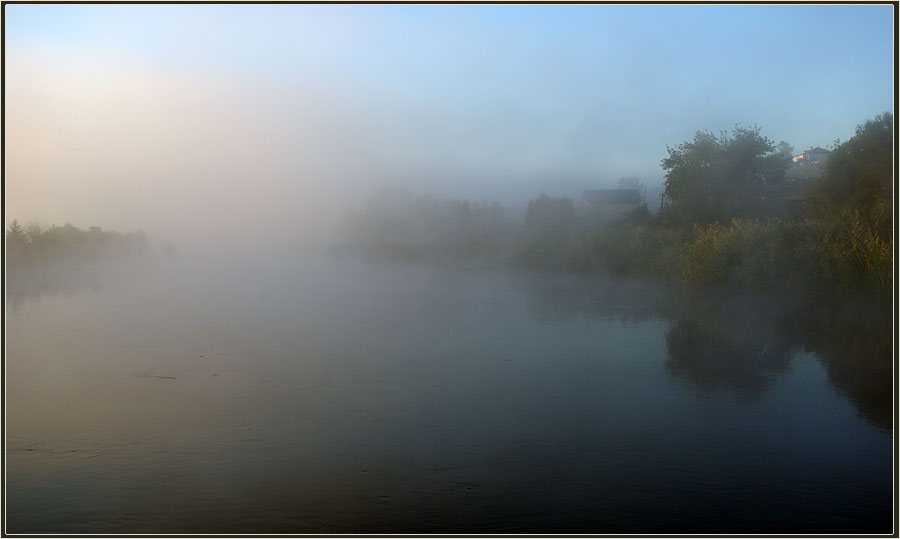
{"x": 326, "y": 394}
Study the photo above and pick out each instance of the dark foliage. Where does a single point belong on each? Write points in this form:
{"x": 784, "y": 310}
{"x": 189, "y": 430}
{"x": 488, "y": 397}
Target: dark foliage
{"x": 32, "y": 247}
{"x": 720, "y": 178}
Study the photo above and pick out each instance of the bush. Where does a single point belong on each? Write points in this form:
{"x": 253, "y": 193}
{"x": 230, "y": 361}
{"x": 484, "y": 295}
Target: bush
{"x": 859, "y": 177}
{"x": 858, "y": 254}
{"x": 805, "y": 256}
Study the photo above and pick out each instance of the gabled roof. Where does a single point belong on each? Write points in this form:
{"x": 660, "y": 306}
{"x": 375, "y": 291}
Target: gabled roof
{"x": 612, "y": 196}
{"x": 817, "y": 149}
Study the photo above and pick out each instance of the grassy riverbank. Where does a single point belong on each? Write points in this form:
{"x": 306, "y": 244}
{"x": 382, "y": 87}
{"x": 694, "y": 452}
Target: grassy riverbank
{"x": 725, "y": 225}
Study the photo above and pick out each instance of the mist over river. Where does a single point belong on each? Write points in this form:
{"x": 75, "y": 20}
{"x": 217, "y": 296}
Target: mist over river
{"x": 333, "y": 394}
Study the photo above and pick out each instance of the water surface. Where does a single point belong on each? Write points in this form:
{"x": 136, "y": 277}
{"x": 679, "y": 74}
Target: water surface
{"x": 325, "y": 395}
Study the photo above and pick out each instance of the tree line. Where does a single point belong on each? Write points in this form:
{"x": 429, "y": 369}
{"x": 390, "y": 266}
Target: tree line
{"x": 730, "y": 218}
{"x": 725, "y": 222}
{"x": 33, "y": 246}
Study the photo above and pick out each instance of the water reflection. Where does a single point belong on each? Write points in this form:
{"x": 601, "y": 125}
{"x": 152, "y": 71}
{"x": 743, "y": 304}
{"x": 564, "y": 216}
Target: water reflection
{"x": 715, "y": 356}
{"x": 742, "y": 343}
{"x": 715, "y": 342}
{"x": 334, "y": 398}
{"x": 34, "y": 284}
{"x": 745, "y": 347}
{"x": 853, "y": 339}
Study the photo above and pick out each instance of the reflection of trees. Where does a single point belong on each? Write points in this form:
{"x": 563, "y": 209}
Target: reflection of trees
{"x": 727, "y": 342}
{"x": 713, "y": 356}
{"x": 743, "y": 347}
{"x": 45, "y": 262}
{"x": 52, "y": 281}
{"x": 853, "y": 341}
{"x": 34, "y": 288}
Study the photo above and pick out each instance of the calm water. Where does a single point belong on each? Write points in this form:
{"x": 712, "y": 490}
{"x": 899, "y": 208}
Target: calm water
{"x": 327, "y": 395}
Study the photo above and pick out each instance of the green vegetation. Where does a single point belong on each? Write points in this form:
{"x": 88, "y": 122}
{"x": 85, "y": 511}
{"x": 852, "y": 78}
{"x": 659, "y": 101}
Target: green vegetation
{"x": 711, "y": 233}
{"x": 843, "y": 243}
{"x": 32, "y": 247}
{"x": 397, "y": 225}
{"x": 858, "y": 178}
{"x": 741, "y": 343}
{"x": 732, "y": 220}
{"x": 721, "y": 178}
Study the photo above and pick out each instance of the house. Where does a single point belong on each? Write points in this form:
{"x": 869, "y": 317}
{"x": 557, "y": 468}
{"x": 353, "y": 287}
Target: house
{"x": 606, "y": 205}
{"x": 808, "y": 165}
{"x": 812, "y": 155}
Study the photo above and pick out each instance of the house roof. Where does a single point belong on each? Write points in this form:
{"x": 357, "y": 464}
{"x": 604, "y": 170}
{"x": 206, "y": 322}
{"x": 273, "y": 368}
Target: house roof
{"x": 612, "y": 196}
{"x": 812, "y": 154}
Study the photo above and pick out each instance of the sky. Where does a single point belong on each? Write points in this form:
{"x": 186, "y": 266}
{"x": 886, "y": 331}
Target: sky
{"x": 245, "y": 119}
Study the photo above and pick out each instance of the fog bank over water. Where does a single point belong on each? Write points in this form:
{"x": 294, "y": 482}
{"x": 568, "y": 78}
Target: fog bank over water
{"x": 201, "y": 159}
{"x": 247, "y": 124}
{"x": 188, "y": 157}
{"x": 405, "y": 269}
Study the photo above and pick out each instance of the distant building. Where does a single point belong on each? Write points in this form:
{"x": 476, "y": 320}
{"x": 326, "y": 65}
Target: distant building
{"x": 808, "y": 165}
{"x": 610, "y": 204}
{"x": 812, "y": 155}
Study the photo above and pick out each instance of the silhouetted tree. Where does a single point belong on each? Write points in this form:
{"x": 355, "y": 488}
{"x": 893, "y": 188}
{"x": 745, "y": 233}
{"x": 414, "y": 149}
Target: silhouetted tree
{"x": 859, "y": 176}
{"x": 718, "y": 178}
{"x": 633, "y": 182}
{"x": 16, "y": 237}
{"x": 551, "y": 217}
{"x": 34, "y": 246}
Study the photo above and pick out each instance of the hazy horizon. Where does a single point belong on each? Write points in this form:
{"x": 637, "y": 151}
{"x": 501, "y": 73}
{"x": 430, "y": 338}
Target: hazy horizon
{"x": 235, "y": 121}
{"x": 348, "y": 281}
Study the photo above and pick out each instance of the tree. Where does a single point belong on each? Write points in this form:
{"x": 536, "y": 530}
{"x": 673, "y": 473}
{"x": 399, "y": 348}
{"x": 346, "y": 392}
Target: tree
{"x": 858, "y": 177}
{"x": 553, "y": 239}
{"x": 550, "y": 217}
{"x": 718, "y": 178}
{"x": 632, "y": 182}
{"x": 16, "y": 239}
{"x": 15, "y": 231}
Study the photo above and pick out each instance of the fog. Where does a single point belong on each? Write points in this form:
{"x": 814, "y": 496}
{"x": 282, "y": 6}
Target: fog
{"x": 409, "y": 269}
{"x": 324, "y": 394}
{"x": 230, "y": 123}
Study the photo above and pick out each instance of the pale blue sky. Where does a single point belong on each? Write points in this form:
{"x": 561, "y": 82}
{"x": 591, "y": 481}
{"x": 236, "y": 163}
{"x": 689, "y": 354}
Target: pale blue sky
{"x": 500, "y": 101}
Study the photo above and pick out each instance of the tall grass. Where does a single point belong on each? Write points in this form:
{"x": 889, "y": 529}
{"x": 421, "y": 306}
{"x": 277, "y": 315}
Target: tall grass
{"x": 774, "y": 254}
{"x": 808, "y": 256}
{"x": 859, "y": 253}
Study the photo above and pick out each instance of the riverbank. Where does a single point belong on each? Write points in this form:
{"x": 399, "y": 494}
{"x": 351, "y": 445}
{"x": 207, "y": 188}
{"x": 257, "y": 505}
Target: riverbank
{"x": 808, "y": 256}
